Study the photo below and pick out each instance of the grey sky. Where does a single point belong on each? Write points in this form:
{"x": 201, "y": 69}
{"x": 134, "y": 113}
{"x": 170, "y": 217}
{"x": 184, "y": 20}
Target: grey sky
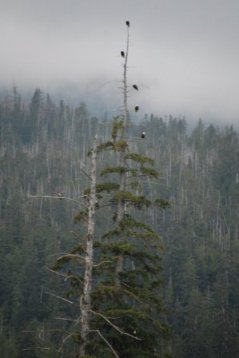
{"x": 184, "y": 53}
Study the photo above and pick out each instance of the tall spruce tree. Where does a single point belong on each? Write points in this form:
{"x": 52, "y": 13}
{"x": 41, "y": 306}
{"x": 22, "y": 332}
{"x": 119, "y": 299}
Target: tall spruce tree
{"x": 116, "y": 278}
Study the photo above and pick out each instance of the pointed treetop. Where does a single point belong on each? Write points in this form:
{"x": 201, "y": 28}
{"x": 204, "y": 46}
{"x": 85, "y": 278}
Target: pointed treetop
{"x": 127, "y": 23}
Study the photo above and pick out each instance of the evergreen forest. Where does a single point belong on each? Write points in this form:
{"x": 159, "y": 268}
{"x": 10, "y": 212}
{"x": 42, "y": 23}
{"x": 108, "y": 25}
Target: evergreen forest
{"x": 189, "y": 274}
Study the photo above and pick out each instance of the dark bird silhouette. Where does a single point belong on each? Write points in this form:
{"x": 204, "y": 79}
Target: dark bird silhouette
{"x": 136, "y": 108}
{"x": 143, "y": 135}
{"x": 127, "y": 23}
{"x": 122, "y": 53}
{"x": 135, "y": 87}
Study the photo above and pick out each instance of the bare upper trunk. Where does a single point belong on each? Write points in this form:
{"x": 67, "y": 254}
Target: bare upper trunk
{"x": 85, "y": 299}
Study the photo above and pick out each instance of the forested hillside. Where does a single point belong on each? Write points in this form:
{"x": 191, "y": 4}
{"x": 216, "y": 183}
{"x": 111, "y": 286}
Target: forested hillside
{"x": 43, "y": 153}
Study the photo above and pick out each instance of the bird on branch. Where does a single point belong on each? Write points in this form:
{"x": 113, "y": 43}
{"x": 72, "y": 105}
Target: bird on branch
{"x": 135, "y": 87}
{"x": 122, "y": 54}
{"x": 143, "y": 134}
{"x": 127, "y": 23}
{"x": 60, "y": 195}
{"x": 136, "y": 108}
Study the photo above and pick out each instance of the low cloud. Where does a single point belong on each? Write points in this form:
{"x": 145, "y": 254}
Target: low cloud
{"x": 184, "y": 55}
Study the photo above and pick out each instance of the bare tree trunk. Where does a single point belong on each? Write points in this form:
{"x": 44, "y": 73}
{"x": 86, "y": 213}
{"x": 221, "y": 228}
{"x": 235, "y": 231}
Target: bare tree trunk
{"x": 122, "y": 162}
{"x": 85, "y": 299}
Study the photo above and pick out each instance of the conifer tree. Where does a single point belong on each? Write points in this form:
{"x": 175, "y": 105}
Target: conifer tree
{"x": 116, "y": 279}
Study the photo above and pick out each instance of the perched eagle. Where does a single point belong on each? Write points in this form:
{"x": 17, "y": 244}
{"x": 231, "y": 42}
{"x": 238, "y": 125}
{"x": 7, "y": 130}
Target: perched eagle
{"x": 143, "y": 135}
{"x": 60, "y": 195}
{"x": 127, "y": 23}
{"x": 122, "y": 53}
{"x": 135, "y": 87}
{"x": 136, "y": 108}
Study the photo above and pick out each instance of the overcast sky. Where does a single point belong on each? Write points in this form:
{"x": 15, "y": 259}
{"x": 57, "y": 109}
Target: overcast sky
{"x": 184, "y": 54}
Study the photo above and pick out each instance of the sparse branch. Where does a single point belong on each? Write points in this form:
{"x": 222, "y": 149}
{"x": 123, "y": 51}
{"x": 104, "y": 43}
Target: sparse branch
{"x": 37, "y": 347}
{"x": 84, "y": 172}
{"x": 59, "y": 297}
{"x": 64, "y": 341}
{"x": 56, "y": 197}
{"x": 71, "y": 256}
{"x": 106, "y": 341}
{"x": 102, "y": 262}
{"x": 114, "y": 326}
{"x": 141, "y": 176}
{"x": 58, "y": 273}
{"x": 66, "y": 319}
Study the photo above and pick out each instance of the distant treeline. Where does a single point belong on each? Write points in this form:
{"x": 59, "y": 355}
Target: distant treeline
{"x": 43, "y": 148}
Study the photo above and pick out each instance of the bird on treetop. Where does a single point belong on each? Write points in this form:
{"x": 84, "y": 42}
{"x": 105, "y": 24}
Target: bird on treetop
{"x": 143, "y": 135}
{"x": 136, "y": 108}
{"x": 122, "y": 53}
{"x": 127, "y": 23}
{"x": 135, "y": 87}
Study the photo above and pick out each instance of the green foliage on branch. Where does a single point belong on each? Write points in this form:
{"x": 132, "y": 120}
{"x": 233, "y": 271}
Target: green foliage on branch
{"x": 150, "y": 172}
{"x": 116, "y": 126}
{"x": 120, "y": 170}
{"x": 137, "y": 201}
{"x": 139, "y": 158}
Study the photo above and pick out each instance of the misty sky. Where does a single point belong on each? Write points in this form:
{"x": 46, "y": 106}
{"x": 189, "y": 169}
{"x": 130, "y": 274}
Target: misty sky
{"x": 184, "y": 54}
